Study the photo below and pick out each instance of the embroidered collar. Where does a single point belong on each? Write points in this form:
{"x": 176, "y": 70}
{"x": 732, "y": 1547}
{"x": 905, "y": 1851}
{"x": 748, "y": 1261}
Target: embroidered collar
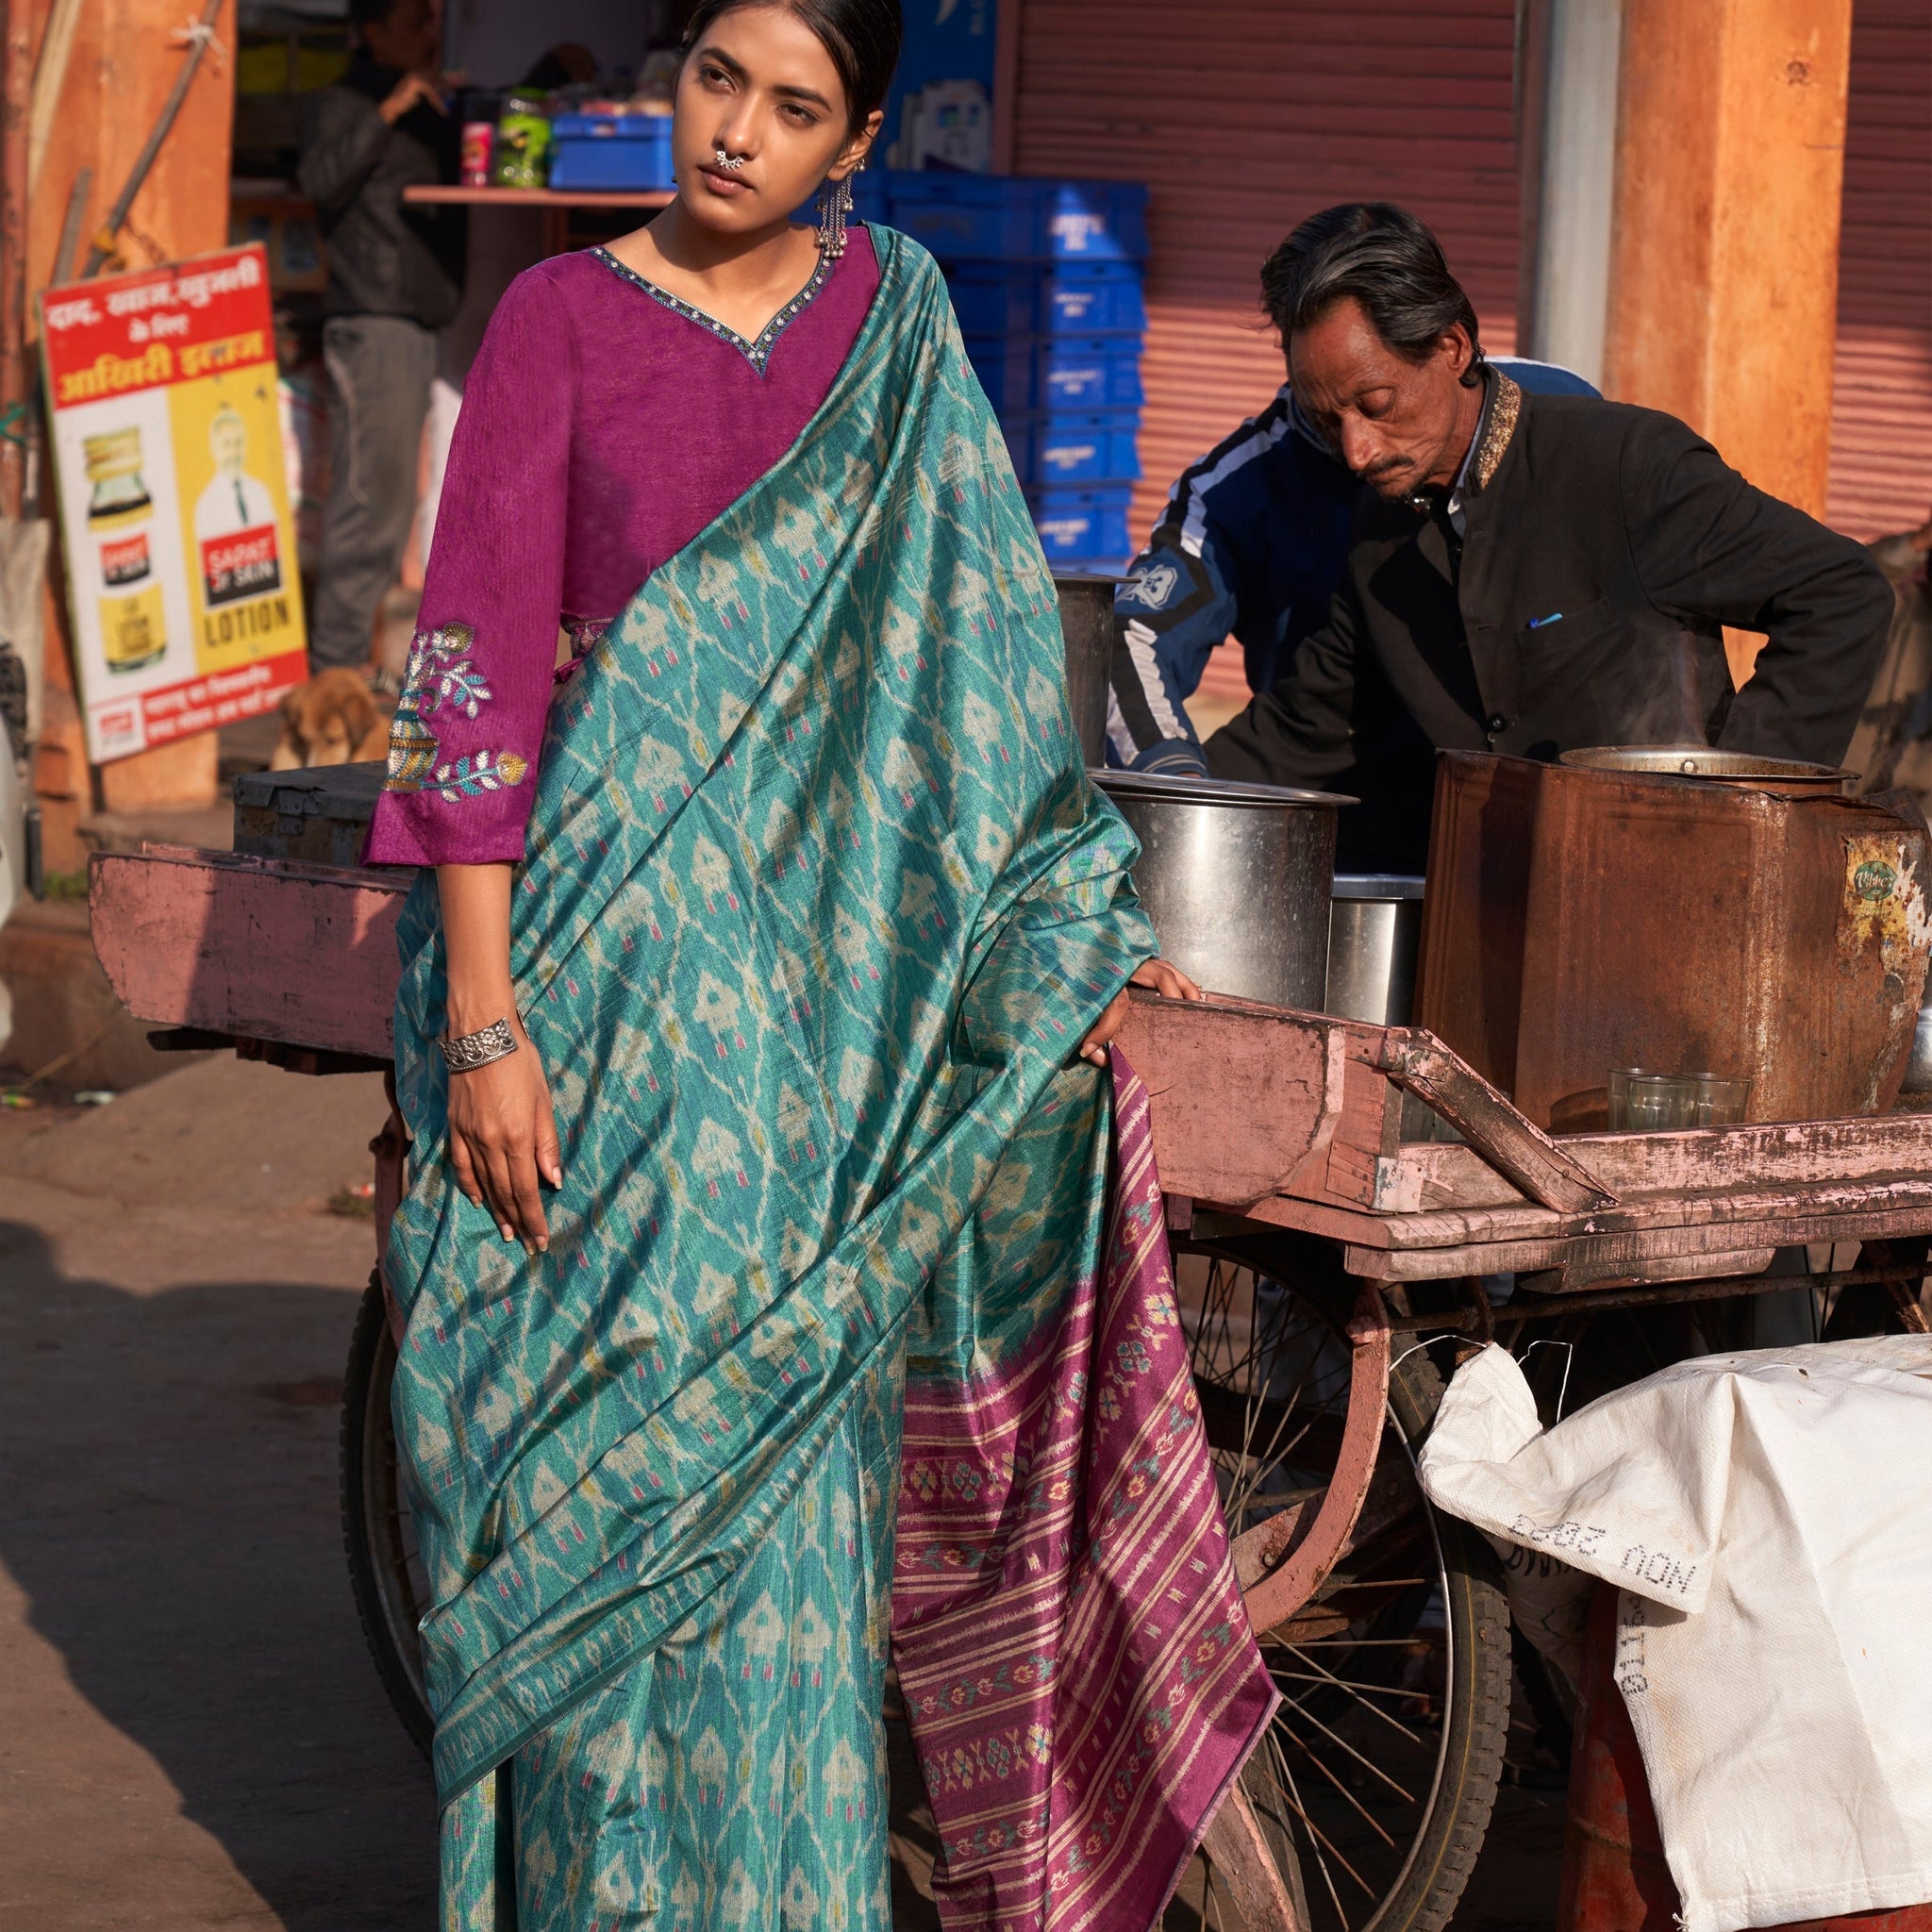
{"x": 1501, "y": 408}
{"x": 758, "y": 353}
{"x": 1494, "y": 426}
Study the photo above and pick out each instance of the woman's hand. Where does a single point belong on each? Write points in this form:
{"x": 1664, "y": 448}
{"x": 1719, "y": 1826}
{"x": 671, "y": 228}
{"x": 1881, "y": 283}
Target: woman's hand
{"x": 502, "y": 1138}
{"x": 502, "y": 1133}
{"x": 1170, "y": 982}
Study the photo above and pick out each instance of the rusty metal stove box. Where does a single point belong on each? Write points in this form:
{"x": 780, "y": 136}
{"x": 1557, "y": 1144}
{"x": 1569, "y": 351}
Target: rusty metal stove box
{"x": 1578, "y": 921}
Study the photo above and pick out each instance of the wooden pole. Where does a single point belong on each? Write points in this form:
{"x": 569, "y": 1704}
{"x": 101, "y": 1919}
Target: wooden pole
{"x": 125, "y": 61}
{"x": 16, "y": 383}
{"x": 1724, "y": 279}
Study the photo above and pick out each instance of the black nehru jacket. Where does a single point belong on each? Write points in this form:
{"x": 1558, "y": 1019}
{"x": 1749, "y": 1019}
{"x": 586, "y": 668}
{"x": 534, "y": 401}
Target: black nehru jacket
{"x": 1603, "y": 548}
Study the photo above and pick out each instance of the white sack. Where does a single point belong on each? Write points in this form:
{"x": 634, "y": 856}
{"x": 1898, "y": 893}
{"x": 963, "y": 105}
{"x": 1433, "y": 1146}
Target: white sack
{"x": 1768, "y": 1518}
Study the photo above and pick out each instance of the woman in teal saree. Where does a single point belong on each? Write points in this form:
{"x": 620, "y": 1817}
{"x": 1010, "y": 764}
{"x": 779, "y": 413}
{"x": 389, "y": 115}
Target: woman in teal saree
{"x": 776, "y": 959}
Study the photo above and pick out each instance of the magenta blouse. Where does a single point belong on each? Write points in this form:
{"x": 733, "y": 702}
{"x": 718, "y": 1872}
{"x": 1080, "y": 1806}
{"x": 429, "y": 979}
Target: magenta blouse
{"x": 604, "y": 425}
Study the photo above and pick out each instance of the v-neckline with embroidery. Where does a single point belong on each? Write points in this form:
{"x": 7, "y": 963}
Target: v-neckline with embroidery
{"x": 757, "y": 353}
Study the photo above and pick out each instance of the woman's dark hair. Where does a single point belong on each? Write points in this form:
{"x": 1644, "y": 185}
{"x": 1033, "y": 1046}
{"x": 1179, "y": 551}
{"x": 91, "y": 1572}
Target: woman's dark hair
{"x": 862, "y": 36}
{"x": 1388, "y": 260}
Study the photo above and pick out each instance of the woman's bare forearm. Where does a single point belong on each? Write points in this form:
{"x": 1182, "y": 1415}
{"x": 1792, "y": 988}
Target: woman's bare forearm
{"x": 475, "y": 935}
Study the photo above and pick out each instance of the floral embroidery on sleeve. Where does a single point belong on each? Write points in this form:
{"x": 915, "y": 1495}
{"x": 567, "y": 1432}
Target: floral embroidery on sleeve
{"x": 443, "y": 677}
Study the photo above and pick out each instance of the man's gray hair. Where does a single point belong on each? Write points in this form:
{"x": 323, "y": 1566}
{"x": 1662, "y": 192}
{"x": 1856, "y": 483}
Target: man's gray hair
{"x": 1387, "y": 260}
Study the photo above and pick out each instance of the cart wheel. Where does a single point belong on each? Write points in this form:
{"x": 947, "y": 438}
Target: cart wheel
{"x": 391, "y": 1584}
{"x": 1374, "y": 1786}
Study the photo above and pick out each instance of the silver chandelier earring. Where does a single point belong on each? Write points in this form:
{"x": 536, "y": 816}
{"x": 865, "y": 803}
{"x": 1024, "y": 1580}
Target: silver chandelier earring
{"x": 835, "y": 204}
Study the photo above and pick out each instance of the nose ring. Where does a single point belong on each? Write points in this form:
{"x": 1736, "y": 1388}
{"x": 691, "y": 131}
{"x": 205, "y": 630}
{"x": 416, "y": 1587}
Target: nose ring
{"x": 731, "y": 163}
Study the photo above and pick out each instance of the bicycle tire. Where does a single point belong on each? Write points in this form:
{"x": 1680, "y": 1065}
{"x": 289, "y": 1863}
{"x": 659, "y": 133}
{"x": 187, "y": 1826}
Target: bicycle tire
{"x": 1447, "y": 1840}
{"x": 372, "y": 1510}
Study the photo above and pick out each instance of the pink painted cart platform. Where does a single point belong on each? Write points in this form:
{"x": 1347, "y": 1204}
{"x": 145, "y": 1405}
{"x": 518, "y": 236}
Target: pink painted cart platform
{"x": 1337, "y": 1192}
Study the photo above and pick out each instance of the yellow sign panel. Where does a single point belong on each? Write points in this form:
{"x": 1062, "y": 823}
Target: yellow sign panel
{"x": 241, "y": 587}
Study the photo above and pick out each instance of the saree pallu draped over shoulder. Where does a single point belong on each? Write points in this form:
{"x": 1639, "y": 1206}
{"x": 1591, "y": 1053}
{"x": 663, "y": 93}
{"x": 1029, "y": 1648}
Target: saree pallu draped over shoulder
{"x": 818, "y": 902}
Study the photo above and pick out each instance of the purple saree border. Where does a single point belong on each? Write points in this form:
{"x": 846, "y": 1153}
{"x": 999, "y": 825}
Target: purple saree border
{"x": 1078, "y": 1670}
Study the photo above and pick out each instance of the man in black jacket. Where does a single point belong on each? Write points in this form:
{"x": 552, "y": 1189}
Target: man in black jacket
{"x": 396, "y": 278}
{"x": 1528, "y": 573}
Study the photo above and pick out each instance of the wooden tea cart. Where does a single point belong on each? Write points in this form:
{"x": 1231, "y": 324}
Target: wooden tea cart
{"x": 1339, "y": 1194}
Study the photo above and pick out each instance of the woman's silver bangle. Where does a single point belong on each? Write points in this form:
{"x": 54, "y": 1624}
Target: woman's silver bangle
{"x": 465, "y": 1052}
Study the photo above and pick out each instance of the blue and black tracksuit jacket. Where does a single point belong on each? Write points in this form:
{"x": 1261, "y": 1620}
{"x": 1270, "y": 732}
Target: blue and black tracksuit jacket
{"x": 1252, "y": 545}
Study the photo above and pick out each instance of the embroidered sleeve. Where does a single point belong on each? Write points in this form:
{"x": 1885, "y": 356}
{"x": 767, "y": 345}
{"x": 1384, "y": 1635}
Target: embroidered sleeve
{"x": 464, "y": 745}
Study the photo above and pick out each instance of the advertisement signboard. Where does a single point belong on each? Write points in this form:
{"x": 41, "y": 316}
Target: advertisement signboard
{"x": 183, "y": 593}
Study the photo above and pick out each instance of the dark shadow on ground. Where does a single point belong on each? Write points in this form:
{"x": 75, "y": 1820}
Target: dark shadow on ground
{"x": 170, "y": 1509}
{"x": 169, "y": 1506}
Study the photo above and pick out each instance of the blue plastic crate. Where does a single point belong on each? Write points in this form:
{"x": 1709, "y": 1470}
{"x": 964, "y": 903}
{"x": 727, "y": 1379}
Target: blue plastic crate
{"x": 1017, "y": 431}
{"x": 1084, "y": 526}
{"x": 610, "y": 151}
{"x": 1006, "y": 368}
{"x": 1018, "y": 218}
{"x": 1072, "y": 298}
{"x": 995, "y": 299}
{"x": 1094, "y": 298}
{"x": 1088, "y": 373}
{"x": 870, "y": 200}
{"x": 1082, "y": 373}
{"x": 1065, "y": 451}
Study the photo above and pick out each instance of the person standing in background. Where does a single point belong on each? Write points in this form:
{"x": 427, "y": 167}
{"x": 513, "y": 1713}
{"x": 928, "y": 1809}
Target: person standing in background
{"x": 396, "y": 278}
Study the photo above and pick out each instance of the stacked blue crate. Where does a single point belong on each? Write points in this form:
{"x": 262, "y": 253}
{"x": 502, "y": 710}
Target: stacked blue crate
{"x": 594, "y": 152}
{"x": 1046, "y": 279}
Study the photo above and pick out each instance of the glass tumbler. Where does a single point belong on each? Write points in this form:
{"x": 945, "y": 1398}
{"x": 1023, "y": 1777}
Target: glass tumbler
{"x": 1619, "y": 1089}
{"x": 1719, "y": 1103}
{"x": 1660, "y": 1102}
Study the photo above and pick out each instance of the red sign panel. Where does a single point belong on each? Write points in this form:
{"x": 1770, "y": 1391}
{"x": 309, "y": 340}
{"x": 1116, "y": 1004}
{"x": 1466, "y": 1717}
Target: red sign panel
{"x": 142, "y": 331}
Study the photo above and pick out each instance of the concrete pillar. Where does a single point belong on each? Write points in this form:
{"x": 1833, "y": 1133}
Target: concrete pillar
{"x": 1724, "y": 275}
{"x": 1570, "y": 60}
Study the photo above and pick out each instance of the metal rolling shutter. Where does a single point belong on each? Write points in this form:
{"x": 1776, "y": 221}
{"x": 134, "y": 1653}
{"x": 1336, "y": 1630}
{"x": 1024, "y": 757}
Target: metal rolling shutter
{"x": 1244, "y": 116}
{"x": 1881, "y": 419}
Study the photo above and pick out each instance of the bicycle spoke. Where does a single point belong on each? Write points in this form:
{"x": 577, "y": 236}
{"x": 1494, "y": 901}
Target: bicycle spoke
{"x": 1348, "y": 1684}
{"x": 1320, "y": 1838}
{"x": 1368, "y": 1764}
{"x": 1367, "y": 1816}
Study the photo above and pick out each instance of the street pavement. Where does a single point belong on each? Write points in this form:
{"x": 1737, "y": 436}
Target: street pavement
{"x": 191, "y": 1736}
{"x": 191, "y": 1733}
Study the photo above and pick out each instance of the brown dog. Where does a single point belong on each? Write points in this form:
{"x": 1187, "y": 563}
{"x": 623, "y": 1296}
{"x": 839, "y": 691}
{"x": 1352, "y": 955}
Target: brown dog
{"x": 329, "y": 721}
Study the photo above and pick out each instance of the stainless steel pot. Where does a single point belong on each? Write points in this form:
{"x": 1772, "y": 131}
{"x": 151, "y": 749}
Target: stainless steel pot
{"x": 1087, "y": 628}
{"x": 1374, "y": 938}
{"x": 1745, "y": 769}
{"x": 1235, "y": 878}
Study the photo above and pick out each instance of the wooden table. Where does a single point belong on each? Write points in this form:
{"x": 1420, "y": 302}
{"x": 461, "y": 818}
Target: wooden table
{"x": 556, "y": 203}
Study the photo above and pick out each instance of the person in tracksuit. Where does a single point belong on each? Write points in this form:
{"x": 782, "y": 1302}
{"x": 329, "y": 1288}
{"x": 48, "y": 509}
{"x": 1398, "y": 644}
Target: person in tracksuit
{"x": 1525, "y": 572}
{"x": 1252, "y": 545}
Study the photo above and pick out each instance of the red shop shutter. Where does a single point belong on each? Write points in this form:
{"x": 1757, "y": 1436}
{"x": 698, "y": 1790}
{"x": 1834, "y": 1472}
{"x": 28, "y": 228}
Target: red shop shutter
{"x": 1245, "y": 116}
{"x": 1881, "y": 415}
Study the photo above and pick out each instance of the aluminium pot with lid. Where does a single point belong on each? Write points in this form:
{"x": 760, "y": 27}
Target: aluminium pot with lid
{"x": 1744, "y": 769}
{"x": 1236, "y": 880}
{"x": 1375, "y": 939}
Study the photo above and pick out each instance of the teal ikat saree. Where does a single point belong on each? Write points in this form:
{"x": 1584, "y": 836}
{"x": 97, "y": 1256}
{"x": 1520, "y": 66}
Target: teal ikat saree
{"x": 817, "y": 901}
